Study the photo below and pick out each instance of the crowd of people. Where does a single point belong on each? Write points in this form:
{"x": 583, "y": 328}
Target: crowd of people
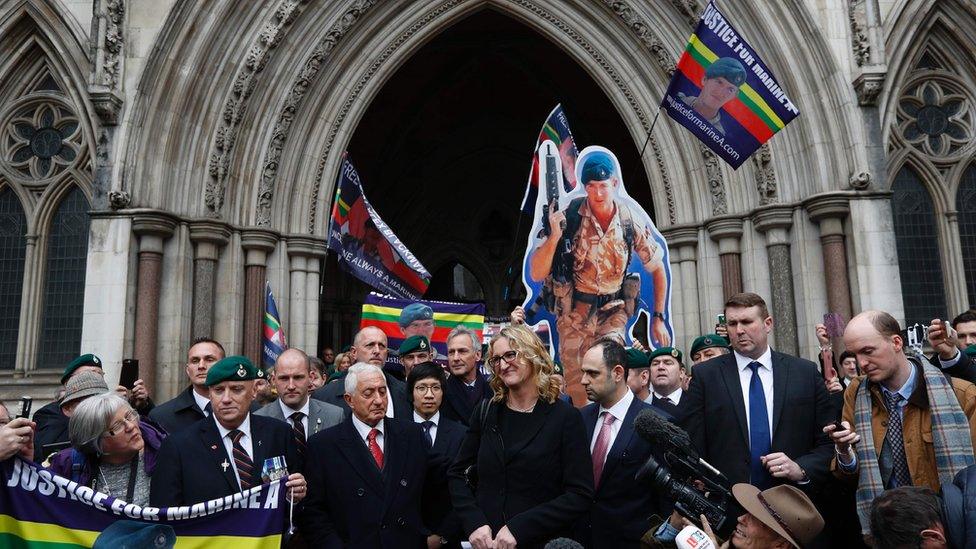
{"x": 487, "y": 448}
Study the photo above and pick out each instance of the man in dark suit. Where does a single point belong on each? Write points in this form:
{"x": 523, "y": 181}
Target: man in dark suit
{"x": 425, "y": 383}
{"x": 370, "y": 346}
{"x": 667, "y": 379}
{"x": 621, "y": 507}
{"x": 948, "y": 345}
{"x": 755, "y": 414}
{"x": 293, "y": 382}
{"x": 189, "y": 406}
{"x": 225, "y": 453}
{"x": 366, "y": 475}
{"x": 466, "y": 386}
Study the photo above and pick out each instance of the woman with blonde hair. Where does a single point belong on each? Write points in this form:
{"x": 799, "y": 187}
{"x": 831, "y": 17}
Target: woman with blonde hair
{"x": 523, "y": 474}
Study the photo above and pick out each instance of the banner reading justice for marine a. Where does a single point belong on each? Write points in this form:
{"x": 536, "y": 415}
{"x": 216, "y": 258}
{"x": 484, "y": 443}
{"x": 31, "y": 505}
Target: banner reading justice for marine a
{"x": 724, "y": 93}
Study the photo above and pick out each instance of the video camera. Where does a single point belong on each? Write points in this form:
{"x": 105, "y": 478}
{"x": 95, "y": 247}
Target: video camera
{"x": 676, "y": 478}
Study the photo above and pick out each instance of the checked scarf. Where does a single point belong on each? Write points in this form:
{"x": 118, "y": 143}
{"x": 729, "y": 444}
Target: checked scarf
{"x": 950, "y": 435}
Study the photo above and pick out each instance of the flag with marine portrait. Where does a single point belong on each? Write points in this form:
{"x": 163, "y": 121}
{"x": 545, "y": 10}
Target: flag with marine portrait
{"x": 556, "y": 131}
{"x": 724, "y": 93}
{"x": 272, "y": 335}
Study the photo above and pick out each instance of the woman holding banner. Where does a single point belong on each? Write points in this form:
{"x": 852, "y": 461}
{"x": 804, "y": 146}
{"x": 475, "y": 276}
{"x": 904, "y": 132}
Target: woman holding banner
{"x": 112, "y": 451}
{"x": 523, "y": 474}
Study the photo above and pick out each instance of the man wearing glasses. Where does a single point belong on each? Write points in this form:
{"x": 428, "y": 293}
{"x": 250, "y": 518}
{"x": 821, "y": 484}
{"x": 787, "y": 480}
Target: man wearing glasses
{"x": 425, "y": 385}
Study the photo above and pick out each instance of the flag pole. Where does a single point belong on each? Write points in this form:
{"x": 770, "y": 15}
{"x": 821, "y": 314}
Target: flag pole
{"x": 648, "y": 140}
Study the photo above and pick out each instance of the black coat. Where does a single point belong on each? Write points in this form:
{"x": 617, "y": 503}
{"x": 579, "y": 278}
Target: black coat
{"x": 669, "y": 408}
{"x": 333, "y": 394}
{"x": 351, "y": 503}
{"x": 438, "y": 513}
{"x": 714, "y": 414}
{"x": 52, "y": 427}
{"x": 457, "y": 406}
{"x": 538, "y": 489}
{"x": 964, "y": 369}
{"x": 622, "y": 508}
{"x": 188, "y": 466}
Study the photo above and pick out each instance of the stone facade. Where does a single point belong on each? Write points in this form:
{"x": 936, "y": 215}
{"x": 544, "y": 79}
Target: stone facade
{"x": 209, "y": 157}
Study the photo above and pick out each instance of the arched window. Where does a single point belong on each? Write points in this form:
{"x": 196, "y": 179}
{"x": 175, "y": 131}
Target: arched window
{"x": 64, "y": 290}
{"x": 13, "y": 244}
{"x": 919, "y": 263}
{"x": 966, "y": 206}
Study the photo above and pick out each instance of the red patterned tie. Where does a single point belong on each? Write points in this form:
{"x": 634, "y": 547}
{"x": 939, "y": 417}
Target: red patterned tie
{"x": 601, "y": 447}
{"x": 374, "y": 448}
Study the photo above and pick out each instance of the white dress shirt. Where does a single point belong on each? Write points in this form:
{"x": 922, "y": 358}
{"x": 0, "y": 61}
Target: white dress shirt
{"x": 618, "y": 411}
{"x": 435, "y": 419}
{"x": 200, "y": 400}
{"x": 287, "y": 411}
{"x": 364, "y": 430}
{"x": 674, "y": 397}
{"x": 246, "y": 442}
{"x": 765, "y": 376}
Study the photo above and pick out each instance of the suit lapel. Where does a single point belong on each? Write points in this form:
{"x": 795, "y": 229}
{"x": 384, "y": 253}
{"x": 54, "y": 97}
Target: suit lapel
{"x": 394, "y": 460}
{"x": 589, "y": 419}
{"x": 354, "y": 450}
{"x": 260, "y": 445}
{"x": 535, "y": 422}
{"x": 620, "y": 444}
{"x": 781, "y": 375}
{"x": 730, "y": 373}
{"x": 314, "y": 418}
{"x": 212, "y": 442}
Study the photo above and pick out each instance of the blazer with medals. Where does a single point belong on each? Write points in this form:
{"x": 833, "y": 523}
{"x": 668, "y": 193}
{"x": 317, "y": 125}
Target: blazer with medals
{"x": 190, "y": 464}
{"x": 351, "y": 502}
{"x": 537, "y": 488}
{"x": 714, "y": 414}
{"x": 621, "y": 506}
{"x": 333, "y": 394}
{"x": 321, "y": 415}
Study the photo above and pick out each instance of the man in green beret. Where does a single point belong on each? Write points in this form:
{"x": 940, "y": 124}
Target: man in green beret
{"x": 707, "y": 347}
{"x": 639, "y": 374}
{"x": 667, "y": 378}
{"x": 414, "y": 350}
{"x": 230, "y": 451}
{"x": 719, "y": 86}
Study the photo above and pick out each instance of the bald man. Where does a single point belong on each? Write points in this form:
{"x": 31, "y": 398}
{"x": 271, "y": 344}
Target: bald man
{"x": 293, "y": 406}
{"x": 370, "y": 345}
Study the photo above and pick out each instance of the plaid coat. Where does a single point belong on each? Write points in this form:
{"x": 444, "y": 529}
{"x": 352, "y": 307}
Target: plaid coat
{"x": 917, "y": 427}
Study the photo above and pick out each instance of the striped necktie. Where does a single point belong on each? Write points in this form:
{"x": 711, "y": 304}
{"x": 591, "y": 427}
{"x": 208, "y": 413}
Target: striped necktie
{"x": 299, "y": 430}
{"x": 245, "y": 467}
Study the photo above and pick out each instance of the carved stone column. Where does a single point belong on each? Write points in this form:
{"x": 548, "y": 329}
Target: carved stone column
{"x": 727, "y": 232}
{"x": 152, "y": 229}
{"x": 683, "y": 246}
{"x": 775, "y": 223}
{"x": 305, "y": 253}
{"x": 830, "y": 212}
{"x": 208, "y": 237}
{"x": 257, "y": 244}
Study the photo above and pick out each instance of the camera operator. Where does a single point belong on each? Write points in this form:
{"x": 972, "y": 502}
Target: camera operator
{"x": 777, "y": 518}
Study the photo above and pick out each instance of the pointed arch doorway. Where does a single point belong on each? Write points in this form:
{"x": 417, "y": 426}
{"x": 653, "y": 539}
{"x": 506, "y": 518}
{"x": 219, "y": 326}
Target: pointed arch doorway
{"x": 444, "y": 151}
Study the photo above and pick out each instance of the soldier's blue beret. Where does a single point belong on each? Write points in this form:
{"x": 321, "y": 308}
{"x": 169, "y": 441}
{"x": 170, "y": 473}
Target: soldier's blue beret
{"x": 599, "y": 166}
{"x": 129, "y": 533}
{"x": 415, "y": 311}
{"x": 728, "y": 68}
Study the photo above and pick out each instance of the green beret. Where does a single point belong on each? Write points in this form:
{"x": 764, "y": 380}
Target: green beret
{"x": 232, "y": 368}
{"x": 665, "y": 351}
{"x": 636, "y": 359}
{"x": 413, "y": 344}
{"x": 599, "y": 166}
{"x": 728, "y": 68}
{"x": 414, "y": 312}
{"x": 707, "y": 341}
{"x": 557, "y": 368}
{"x": 83, "y": 360}
{"x": 971, "y": 351}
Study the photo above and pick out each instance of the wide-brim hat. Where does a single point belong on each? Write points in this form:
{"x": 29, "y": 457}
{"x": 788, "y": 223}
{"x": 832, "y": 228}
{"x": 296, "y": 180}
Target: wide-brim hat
{"x": 785, "y": 509}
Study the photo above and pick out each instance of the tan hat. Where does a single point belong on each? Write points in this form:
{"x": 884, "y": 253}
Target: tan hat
{"x": 785, "y": 509}
{"x": 83, "y": 385}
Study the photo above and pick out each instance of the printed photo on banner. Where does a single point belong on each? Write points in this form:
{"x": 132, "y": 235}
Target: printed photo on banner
{"x": 401, "y": 319}
{"x": 724, "y": 93}
{"x": 594, "y": 262}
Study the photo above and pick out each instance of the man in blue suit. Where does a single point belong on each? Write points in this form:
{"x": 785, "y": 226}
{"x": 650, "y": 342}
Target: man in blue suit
{"x": 621, "y": 507}
{"x": 366, "y": 475}
{"x": 425, "y": 384}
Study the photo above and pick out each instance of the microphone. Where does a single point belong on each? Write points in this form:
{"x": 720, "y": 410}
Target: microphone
{"x": 654, "y": 428}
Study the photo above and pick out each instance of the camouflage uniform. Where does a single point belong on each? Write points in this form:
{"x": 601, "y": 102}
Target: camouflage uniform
{"x": 599, "y": 266}
{"x": 716, "y": 121}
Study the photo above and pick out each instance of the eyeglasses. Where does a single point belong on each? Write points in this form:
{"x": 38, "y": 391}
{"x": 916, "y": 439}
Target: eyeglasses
{"x": 131, "y": 418}
{"x": 508, "y": 357}
{"x": 422, "y": 389}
